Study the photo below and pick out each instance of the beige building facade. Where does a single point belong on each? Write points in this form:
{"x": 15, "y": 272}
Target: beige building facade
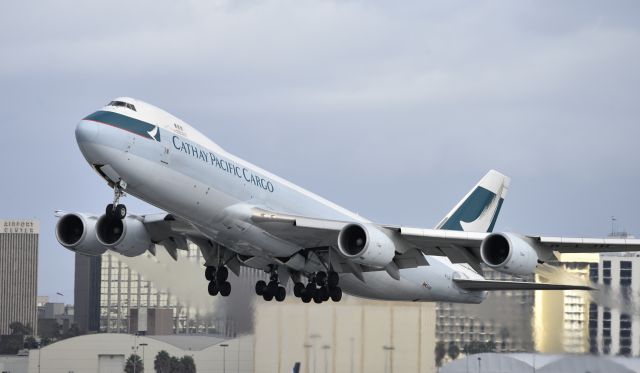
{"x": 353, "y": 335}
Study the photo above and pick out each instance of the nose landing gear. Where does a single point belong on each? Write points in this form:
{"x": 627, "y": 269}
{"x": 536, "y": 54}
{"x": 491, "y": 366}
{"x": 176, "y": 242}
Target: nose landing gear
{"x": 115, "y": 209}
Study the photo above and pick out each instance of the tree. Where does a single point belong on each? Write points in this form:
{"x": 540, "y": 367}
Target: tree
{"x": 18, "y": 328}
{"x": 73, "y": 331}
{"x": 453, "y": 351}
{"x": 477, "y": 347}
{"x": 11, "y": 344}
{"x": 441, "y": 352}
{"x": 134, "y": 364}
{"x": 174, "y": 365}
{"x": 30, "y": 343}
{"x": 162, "y": 362}
{"x": 187, "y": 364}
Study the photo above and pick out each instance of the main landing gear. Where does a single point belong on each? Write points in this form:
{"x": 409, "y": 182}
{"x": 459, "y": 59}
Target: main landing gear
{"x": 115, "y": 209}
{"x": 218, "y": 283}
{"x": 321, "y": 287}
{"x": 271, "y": 290}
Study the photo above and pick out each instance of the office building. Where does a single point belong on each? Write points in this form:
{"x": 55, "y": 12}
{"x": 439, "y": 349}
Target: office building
{"x": 18, "y": 273}
{"x": 561, "y": 323}
{"x": 504, "y": 318}
{"x": 87, "y": 293}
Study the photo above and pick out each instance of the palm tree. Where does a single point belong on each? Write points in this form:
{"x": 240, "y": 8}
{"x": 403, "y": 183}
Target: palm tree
{"x": 441, "y": 352}
{"x": 453, "y": 351}
{"x": 162, "y": 363}
{"x": 134, "y": 364}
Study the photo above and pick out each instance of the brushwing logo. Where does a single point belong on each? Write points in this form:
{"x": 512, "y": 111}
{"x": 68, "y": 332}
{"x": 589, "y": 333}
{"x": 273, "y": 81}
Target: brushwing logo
{"x": 154, "y": 133}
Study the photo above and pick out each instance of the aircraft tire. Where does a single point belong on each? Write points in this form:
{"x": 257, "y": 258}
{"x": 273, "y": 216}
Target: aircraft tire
{"x": 321, "y": 278}
{"x": 324, "y": 292}
{"x": 306, "y": 299}
{"x": 121, "y": 211}
{"x": 336, "y": 294}
{"x": 209, "y": 273}
{"x": 109, "y": 210}
{"x": 222, "y": 275}
{"x": 225, "y": 289}
{"x": 281, "y": 294}
{"x": 272, "y": 287}
{"x": 317, "y": 298}
{"x": 267, "y": 296}
{"x": 310, "y": 290}
{"x": 298, "y": 289}
{"x": 261, "y": 287}
{"x": 213, "y": 289}
{"x": 333, "y": 279}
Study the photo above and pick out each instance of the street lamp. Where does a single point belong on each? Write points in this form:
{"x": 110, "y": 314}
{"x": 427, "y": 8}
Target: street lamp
{"x": 479, "y": 361}
{"x": 387, "y": 357}
{"x": 143, "y": 346}
{"x": 313, "y": 343}
{"x": 326, "y": 359}
{"x": 224, "y": 361}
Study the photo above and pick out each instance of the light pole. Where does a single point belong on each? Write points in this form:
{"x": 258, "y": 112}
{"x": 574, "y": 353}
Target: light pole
{"x": 326, "y": 359}
{"x": 143, "y": 346}
{"x": 479, "y": 362}
{"x": 387, "y": 358}
{"x": 351, "y": 340}
{"x": 313, "y": 343}
{"x": 306, "y": 346}
{"x": 224, "y": 361}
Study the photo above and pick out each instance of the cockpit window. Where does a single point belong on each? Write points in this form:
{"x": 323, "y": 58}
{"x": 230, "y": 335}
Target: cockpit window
{"x": 122, "y": 104}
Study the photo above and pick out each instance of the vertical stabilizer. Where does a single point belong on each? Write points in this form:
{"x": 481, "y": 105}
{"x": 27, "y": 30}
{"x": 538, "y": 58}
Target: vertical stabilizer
{"x": 479, "y": 209}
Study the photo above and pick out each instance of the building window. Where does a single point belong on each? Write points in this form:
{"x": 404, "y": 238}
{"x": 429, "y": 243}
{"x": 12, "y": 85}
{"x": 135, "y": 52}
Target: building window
{"x": 593, "y": 272}
{"x": 606, "y": 272}
{"x": 625, "y": 335}
{"x": 606, "y": 331}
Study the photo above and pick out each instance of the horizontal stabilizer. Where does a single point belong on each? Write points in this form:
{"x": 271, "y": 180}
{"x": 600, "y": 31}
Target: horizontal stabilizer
{"x": 515, "y": 285}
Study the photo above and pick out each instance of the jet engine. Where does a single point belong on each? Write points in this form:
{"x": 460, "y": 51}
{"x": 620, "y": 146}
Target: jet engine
{"x": 127, "y": 236}
{"x": 77, "y": 233}
{"x": 509, "y": 253}
{"x": 366, "y": 244}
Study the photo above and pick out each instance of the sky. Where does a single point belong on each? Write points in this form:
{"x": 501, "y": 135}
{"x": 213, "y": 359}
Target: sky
{"x": 393, "y": 110}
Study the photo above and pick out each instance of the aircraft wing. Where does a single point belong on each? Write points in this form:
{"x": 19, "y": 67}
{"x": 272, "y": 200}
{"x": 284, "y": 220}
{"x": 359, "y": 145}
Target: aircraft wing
{"x": 458, "y": 246}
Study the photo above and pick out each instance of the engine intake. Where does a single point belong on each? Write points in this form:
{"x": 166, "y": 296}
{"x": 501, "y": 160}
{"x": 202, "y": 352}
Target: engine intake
{"x": 126, "y": 236}
{"x": 76, "y": 232}
{"x": 509, "y": 253}
{"x": 365, "y": 244}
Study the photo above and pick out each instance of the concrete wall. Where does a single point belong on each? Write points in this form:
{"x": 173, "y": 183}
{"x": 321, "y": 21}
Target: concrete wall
{"x": 345, "y": 337}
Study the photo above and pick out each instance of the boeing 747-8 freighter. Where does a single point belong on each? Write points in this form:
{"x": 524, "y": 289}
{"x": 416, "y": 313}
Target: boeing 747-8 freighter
{"x": 241, "y": 215}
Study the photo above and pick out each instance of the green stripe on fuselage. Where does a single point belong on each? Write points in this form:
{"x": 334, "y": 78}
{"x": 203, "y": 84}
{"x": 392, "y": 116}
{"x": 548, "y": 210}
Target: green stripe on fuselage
{"x": 126, "y": 123}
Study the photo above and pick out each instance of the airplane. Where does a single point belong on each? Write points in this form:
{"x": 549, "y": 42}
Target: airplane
{"x": 241, "y": 215}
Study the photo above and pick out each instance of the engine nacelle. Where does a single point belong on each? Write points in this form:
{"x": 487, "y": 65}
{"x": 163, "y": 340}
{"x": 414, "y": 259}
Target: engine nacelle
{"x": 509, "y": 253}
{"x": 77, "y": 233}
{"x": 366, "y": 244}
{"x": 126, "y": 236}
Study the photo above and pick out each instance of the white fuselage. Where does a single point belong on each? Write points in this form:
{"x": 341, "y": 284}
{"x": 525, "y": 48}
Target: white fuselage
{"x": 179, "y": 170}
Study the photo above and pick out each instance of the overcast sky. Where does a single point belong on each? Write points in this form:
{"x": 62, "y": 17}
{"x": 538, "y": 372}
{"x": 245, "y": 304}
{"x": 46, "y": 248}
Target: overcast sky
{"x": 392, "y": 109}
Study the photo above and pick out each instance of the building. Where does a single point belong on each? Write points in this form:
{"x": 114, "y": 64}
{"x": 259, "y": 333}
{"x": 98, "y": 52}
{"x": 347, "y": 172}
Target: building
{"x": 570, "y": 332}
{"x": 541, "y": 363}
{"x": 107, "y": 352}
{"x": 354, "y": 335}
{"x": 504, "y": 318}
{"x": 615, "y": 322}
{"x": 109, "y": 287}
{"x": 18, "y": 273}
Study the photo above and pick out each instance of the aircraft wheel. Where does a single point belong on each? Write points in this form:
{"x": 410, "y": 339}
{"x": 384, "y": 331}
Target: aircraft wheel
{"x": 333, "y": 279}
{"x": 317, "y": 298}
{"x": 298, "y": 288}
{"x": 310, "y": 289}
{"x": 209, "y": 273}
{"x": 281, "y": 294}
{"x": 261, "y": 287}
{"x": 321, "y": 278}
{"x": 213, "y": 289}
{"x": 273, "y": 287}
{"x": 336, "y": 294}
{"x": 324, "y": 292}
{"x": 225, "y": 289}
{"x": 267, "y": 296}
{"x": 222, "y": 274}
{"x": 121, "y": 211}
{"x": 109, "y": 210}
{"x": 306, "y": 298}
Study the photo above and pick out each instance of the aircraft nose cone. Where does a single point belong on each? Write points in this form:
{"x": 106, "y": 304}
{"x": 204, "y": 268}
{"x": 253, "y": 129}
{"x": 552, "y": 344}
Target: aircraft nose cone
{"x": 86, "y": 132}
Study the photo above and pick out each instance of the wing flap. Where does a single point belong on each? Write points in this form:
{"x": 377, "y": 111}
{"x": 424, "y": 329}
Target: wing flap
{"x": 515, "y": 285}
